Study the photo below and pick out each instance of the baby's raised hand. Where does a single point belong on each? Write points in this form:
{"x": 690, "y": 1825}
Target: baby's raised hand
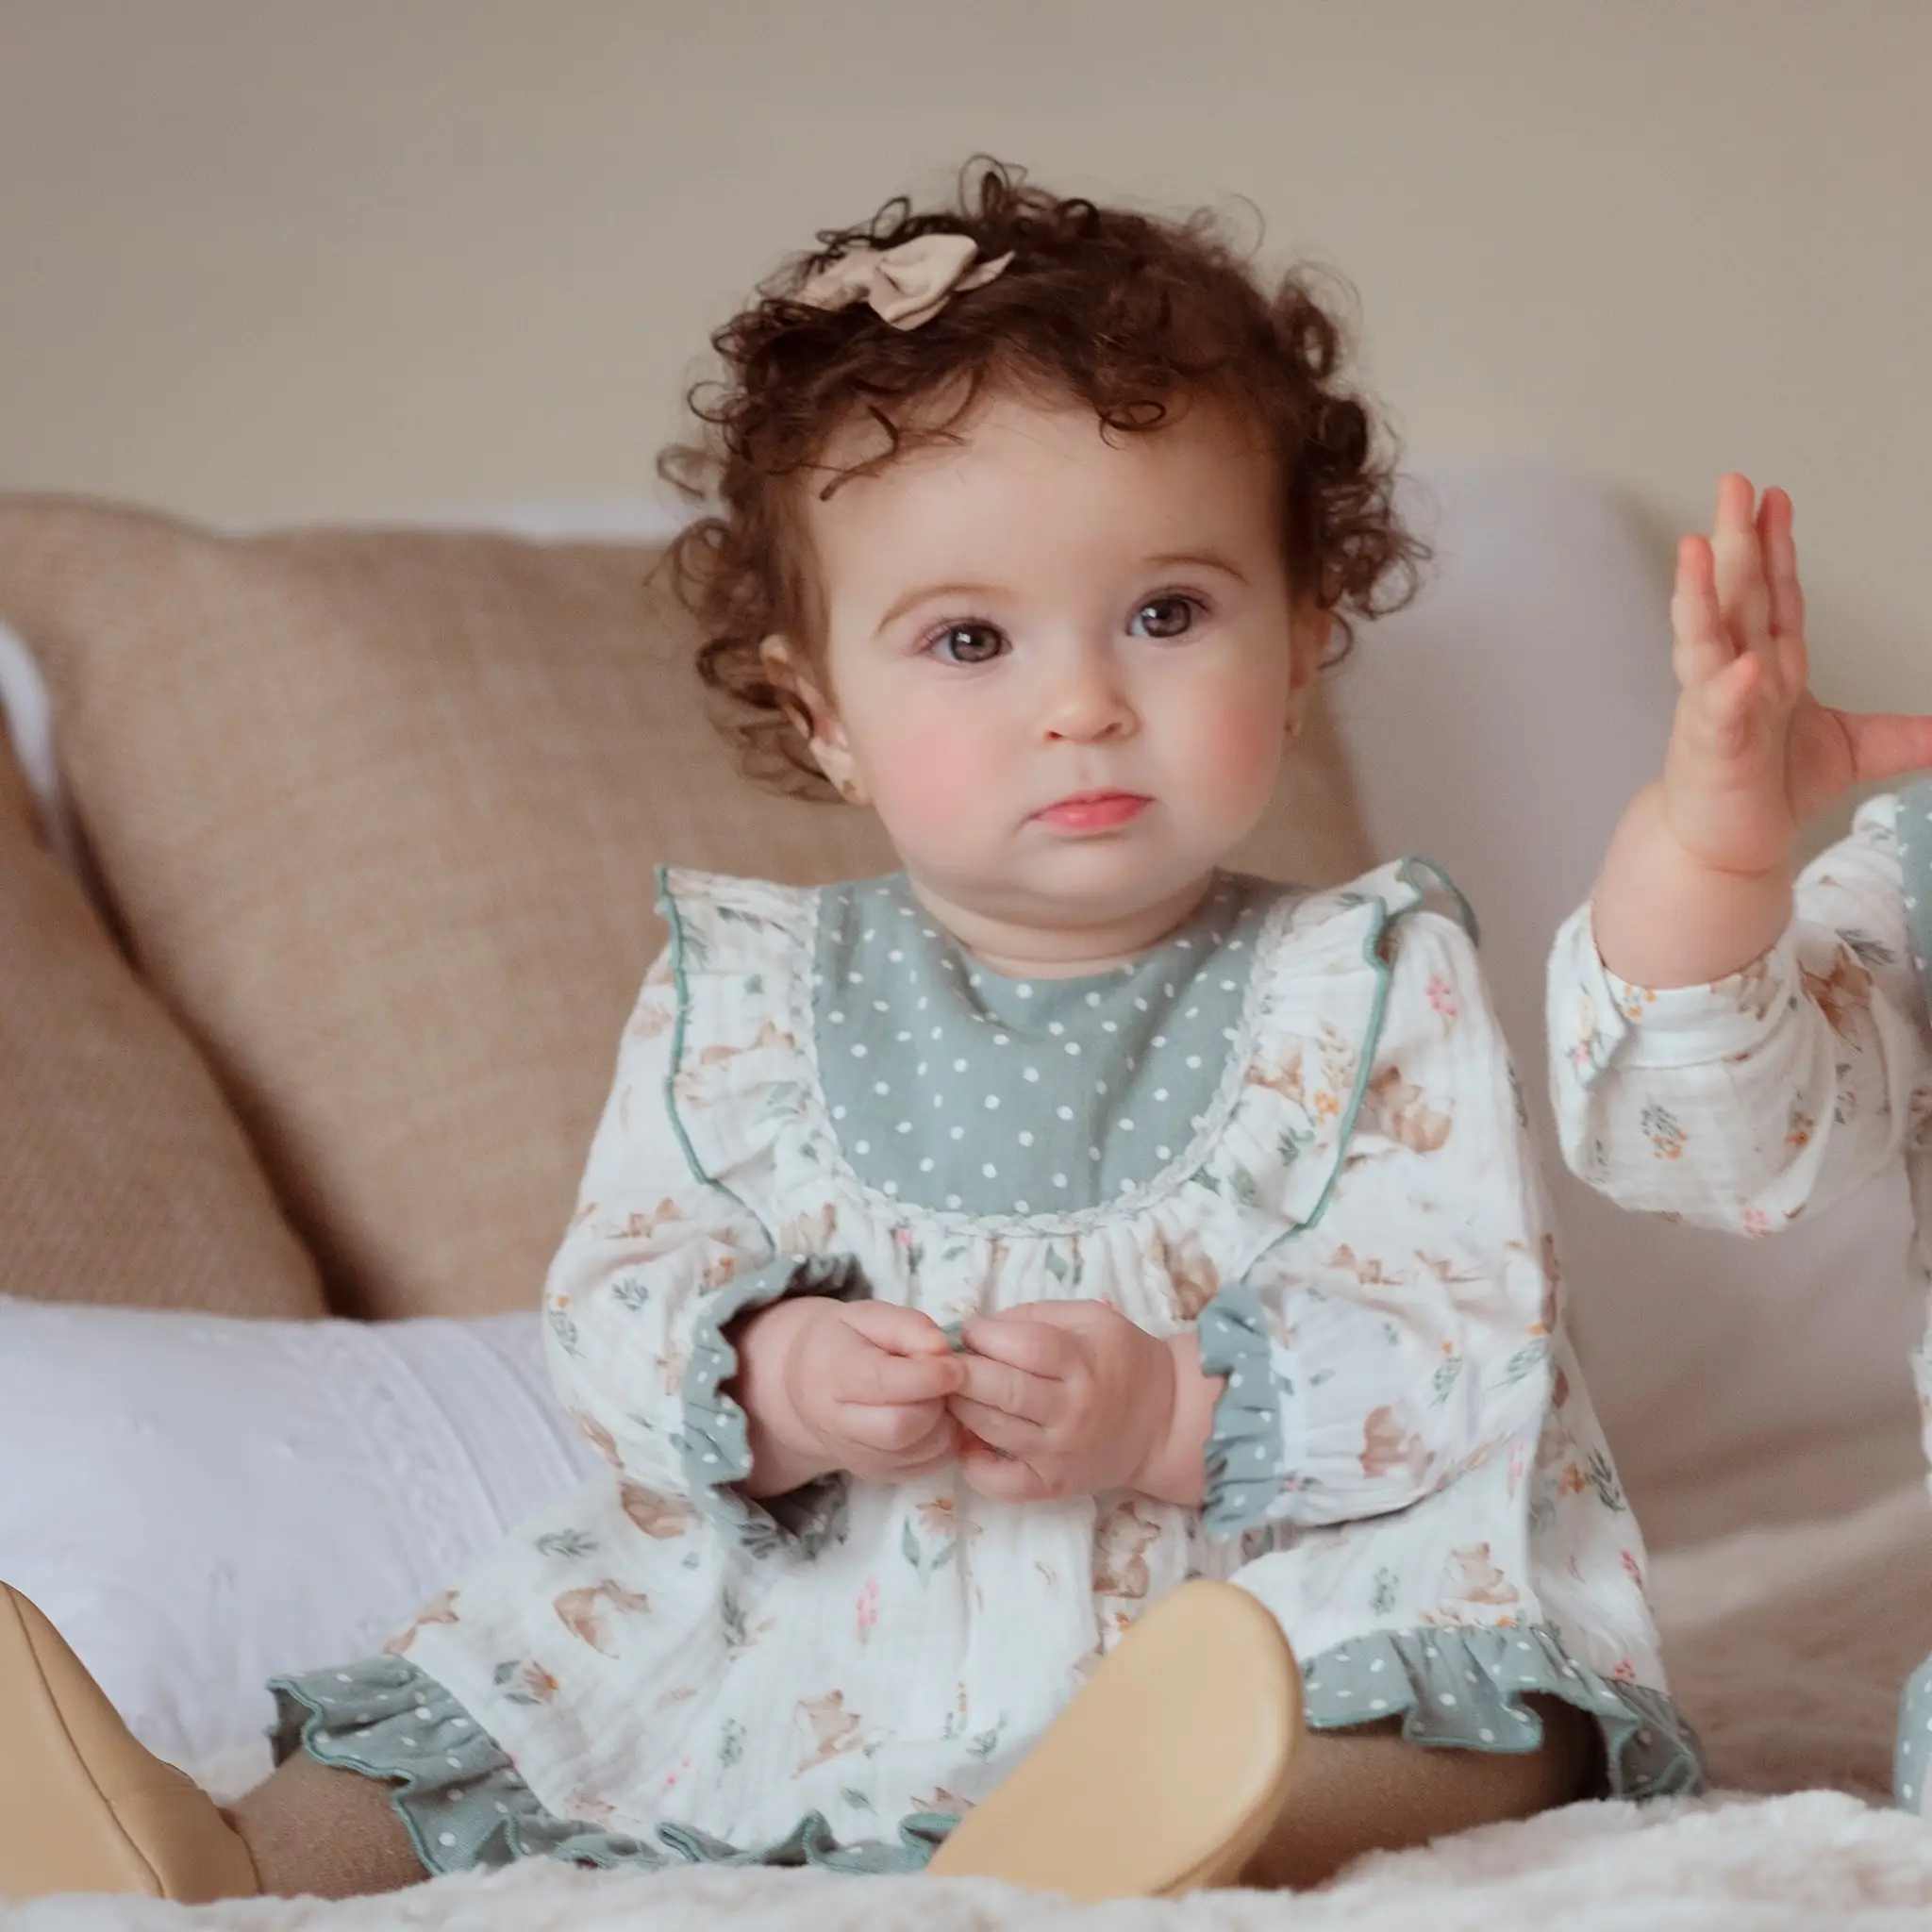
{"x": 1752, "y": 754}
{"x": 1065, "y": 1399}
{"x": 859, "y": 1386}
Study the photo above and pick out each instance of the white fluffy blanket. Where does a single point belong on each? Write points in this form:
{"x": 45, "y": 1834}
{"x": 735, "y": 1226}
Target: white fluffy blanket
{"x": 1787, "y": 1647}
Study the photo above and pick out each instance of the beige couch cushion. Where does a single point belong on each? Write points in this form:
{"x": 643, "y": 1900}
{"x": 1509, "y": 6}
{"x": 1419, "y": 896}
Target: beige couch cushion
{"x": 379, "y": 811}
{"x": 123, "y": 1175}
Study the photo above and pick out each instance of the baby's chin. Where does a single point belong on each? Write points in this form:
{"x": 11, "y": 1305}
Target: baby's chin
{"x": 1067, "y": 885}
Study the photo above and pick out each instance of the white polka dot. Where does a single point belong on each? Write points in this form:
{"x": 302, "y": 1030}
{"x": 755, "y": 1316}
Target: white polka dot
{"x": 1073, "y": 1046}
{"x": 902, "y": 1038}
{"x": 407, "y": 1743}
{"x": 859, "y": 1049}
{"x": 1227, "y": 986}
{"x": 1379, "y": 1704}
{"x": 1375, "y": 1663}
{"x": 838, "y": 1019}
{"x": 922, "y": 1005}
{"x": 1160, "y": 1040}
{"x": 1193, "y": 1013}
{"x": 1234, "y": 1381}
{"x": 1487, "y": 1736}
{"x": 904, "y": 1128}
{"x": 1193, "y": 1059}
{"x": 1162, "y": 1154}
{"x": 925, "y": 1165}
{"x": 1060, "y": 1180}
{"x": 343, "y": 1678}
{"x": 958, "y": 1066}
{"x": 1127, "y": 1127}
{"x": 1108, "y": 1026}
{"x": 854, "y": 979}
{"x": 880, "y": 1086}
{"x": 1160, "y": 1094}
{"x": 455, "y": 1762}
{"x": 1140, "y": 1004}
{"x": 880, "y": 1007}
{"x": 952, "y": 1200}
{"x": 1186, "y": 946}
{"x": 1227, "y": 1033}
{"x": 839, "y": 1111}
{"x": 1024, "y": 991}
{"x": 891, "y": 1186}
{"x": 1092, "y": 999}
{"x": 938, "y": 1033}
{"x": 1018, "y": 1208}
{"x": 993, "y": 1099}
{"x": 958, "y": 1133}
{"x": 1447, "y": 1700}
{"x": 1093, "y": 1154}
{"x": 938, "y": 1100}
{"x": 872, "y": 932}
{"x": 928, "y": 932}
{"x": 424, "y": 1713}
{"x": 503, "y": 1808}
{"x": 989, "y": 1171}
{"x": 448, "y": 1838}
{"x": 1025, "y": 1137}
{"x": 1033, "y": 1073}
{"x": 1002, "y": 1040}
{"x": 1066, "y": 1113}
{"x": 1125, "y": 1185}
{"x": 895, "y": 956}
{"x": 1055, "y": 1027}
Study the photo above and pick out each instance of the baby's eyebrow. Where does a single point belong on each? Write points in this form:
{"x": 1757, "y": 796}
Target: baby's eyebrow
{"x": 928, "y": 593}
{"x": 1197, "y": 559}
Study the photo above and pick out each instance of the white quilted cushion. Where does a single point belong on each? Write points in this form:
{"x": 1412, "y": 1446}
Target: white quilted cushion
{"x": 199, "y": 1501}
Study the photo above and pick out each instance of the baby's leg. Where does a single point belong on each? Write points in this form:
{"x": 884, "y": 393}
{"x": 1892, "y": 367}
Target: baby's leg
{"x": 1366, "y": 1790}
{"x": 317, "y": 1832}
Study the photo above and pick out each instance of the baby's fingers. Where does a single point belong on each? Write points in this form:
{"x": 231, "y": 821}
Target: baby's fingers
{"x": 1885, "y": 745}
{"x": 1701, "y": 647}
{"x": 893, "y": 1429}
{"x": 1012, "y": 1391}
{"x": 905, "y": 1331}
{"x": 1780, "y": 550}
{"x": 1744, "y": 596}
{"x": 994, "y": 1426}
{"x": 868, "y": 1374}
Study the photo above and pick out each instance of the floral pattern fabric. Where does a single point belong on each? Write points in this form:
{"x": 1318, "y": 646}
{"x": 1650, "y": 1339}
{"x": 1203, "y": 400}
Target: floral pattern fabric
{"x": 1351, "y": 1209}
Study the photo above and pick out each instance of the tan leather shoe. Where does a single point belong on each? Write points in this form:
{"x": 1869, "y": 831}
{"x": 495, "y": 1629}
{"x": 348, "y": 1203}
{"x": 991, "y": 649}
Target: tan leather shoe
{"x": 83, "y": 1807}
{"x": 1164, "y": 1774}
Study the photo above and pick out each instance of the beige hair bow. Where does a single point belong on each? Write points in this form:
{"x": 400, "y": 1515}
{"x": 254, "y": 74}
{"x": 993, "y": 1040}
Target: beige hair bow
{"x": 906, "y": 285}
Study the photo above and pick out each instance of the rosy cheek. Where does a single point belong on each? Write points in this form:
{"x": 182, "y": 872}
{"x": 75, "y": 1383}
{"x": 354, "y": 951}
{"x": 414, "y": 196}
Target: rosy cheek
{"x": 932, "y": 777}
{"x": 1236, "y": 751}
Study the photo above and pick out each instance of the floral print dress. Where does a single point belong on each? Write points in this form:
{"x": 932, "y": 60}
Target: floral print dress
{"x": 1745, "y": 1103}
{"x": 1292, "y": 1125}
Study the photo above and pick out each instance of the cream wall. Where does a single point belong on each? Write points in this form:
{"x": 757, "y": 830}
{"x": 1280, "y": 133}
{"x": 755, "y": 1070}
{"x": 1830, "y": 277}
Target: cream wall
{"x": 295, "y": 258}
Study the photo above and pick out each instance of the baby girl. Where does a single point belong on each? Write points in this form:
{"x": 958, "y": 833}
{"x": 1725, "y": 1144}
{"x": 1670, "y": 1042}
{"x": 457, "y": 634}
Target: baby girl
{"x": 1020, "y": 1297}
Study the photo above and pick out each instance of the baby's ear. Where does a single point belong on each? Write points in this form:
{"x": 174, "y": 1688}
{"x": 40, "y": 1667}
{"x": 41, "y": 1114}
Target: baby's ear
{"x": 812, "y": 716}
{"x": 1311, "y": 630}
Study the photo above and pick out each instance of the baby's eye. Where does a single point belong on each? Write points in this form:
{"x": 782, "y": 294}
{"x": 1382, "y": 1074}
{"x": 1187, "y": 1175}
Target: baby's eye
{"x": 1165, "y": 617}
{"x": 969, "y": 643}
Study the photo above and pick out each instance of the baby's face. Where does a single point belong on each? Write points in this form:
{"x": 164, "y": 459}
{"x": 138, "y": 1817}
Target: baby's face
{"x": 1062, "y": 665}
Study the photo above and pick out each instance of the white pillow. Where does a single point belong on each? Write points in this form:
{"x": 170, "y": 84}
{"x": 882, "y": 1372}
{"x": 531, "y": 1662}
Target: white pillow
{"x": 199, "y": 1501}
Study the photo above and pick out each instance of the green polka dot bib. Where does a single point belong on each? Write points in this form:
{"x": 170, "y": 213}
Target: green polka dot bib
{"x": 952, "y": 1086}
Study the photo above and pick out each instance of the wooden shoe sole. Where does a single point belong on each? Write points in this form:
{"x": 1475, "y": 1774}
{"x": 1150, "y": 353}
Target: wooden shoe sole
{"x": 83, "y": 1807}
{"x": 1166, "y": 1772}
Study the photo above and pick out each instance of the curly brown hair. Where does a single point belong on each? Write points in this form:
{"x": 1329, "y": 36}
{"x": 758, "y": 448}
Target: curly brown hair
{"x": 1127, "y": 313}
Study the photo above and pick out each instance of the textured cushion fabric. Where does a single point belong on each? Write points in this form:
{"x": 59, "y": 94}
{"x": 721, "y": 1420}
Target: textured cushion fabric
{"x": 216, "y": 1500}
{"x": 378, "y": 810}
{"x": 124, "y": 1174}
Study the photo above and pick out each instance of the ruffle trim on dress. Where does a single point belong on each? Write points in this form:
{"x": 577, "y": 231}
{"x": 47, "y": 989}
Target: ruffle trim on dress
{"x": 1244, "y": 1451}
{"x": 714, "y": 1438}
{"x": 464, "y": 1806}
{"x": 1464, "y": 1688}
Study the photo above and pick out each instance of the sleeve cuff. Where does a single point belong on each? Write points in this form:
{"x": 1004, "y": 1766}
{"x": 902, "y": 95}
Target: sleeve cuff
{"x": 1613, "y": 1019}
{"x": 714, "y": 1439}
{"x": 1243, "y": 1461}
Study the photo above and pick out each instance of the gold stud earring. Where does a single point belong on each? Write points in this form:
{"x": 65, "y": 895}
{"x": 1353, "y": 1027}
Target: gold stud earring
{"x": 1294, "y": 727}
